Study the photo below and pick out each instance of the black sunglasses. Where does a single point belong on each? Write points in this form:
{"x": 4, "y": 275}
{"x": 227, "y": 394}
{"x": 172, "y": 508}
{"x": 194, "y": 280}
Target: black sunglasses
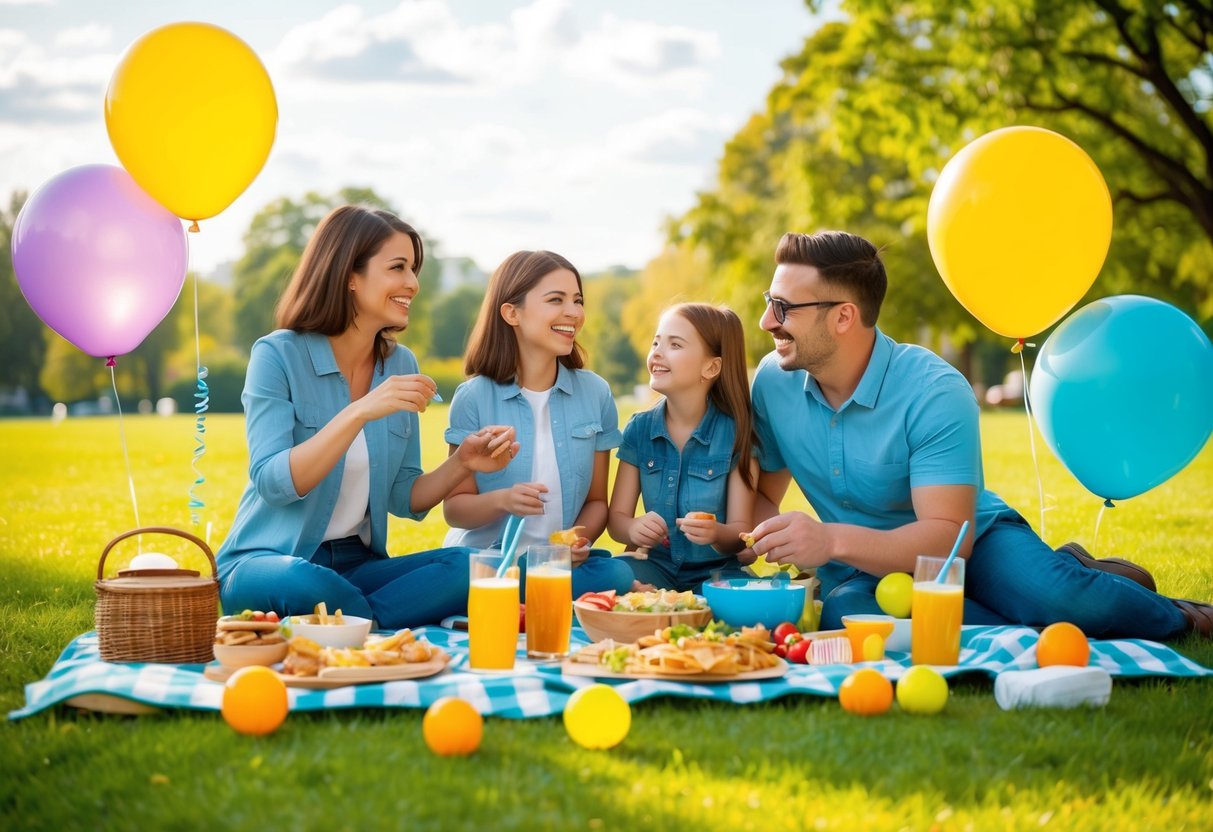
{"x": 781, "y": 307}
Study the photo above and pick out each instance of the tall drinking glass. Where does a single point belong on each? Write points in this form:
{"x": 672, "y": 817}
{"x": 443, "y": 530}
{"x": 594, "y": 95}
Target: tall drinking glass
{"x": 549, "y": 601}
{"x": 937, "y": 611}
{"x": 492, "y": 613}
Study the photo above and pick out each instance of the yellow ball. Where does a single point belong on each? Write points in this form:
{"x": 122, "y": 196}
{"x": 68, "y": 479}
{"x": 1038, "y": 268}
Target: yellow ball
{"x": 255, "y": 701}
{"x": 597, "y": 717}
{"x": 873, "y": 648}
{"x": 922, "y": 690}
{"x": 894, "y": 594}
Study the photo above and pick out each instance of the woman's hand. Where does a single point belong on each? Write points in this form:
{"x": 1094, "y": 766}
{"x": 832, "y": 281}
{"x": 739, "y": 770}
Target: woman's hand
{"x": 699, "y": 527}
{"x": 648, "y": 530}
{"x": 522, "y": 498}
{"x": 487, "y": 450}
{"x": 397, "y": 393}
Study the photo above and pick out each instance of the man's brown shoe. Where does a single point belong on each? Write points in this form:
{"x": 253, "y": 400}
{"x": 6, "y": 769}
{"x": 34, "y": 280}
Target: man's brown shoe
{"x": 1117, "y": 566}
{"x": 1199, "y": 615}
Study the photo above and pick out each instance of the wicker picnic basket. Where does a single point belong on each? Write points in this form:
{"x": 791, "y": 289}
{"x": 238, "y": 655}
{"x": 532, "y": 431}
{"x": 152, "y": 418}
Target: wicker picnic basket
{"x": 157, "y": 615}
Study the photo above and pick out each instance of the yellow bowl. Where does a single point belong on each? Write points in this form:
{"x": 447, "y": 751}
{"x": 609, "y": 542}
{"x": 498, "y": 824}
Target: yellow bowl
{"x": 247, "y": 655}
{"x": 628, "y": 626}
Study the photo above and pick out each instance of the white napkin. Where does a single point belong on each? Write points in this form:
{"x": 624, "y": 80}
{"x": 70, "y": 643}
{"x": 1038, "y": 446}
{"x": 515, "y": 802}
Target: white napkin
{"x": 1052, "y": 687}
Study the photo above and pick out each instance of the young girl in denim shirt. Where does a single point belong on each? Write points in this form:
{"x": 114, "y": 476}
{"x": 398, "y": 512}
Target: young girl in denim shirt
{"x": 690, "y": 455}
{"x": 525, "y": 369}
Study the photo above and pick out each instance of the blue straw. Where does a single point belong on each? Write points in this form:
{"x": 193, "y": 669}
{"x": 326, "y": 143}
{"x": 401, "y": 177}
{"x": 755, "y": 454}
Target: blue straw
{"x": 510, "y": 544}
{"x": 947, "y": 564}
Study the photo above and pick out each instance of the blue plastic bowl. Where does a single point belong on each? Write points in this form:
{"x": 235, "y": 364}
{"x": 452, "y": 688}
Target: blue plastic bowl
{"x": 744, "y": 603}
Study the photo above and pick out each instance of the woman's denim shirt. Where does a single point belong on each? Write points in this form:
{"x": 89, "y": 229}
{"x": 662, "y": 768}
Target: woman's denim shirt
{"x": 673, "y": 483}
{"x": 584, "y": 421}
{"x": 291, "y": 390}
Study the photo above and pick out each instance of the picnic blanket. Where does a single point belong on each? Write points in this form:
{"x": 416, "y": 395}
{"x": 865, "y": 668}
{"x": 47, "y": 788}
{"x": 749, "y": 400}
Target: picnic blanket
{"x": 534, "y": 690}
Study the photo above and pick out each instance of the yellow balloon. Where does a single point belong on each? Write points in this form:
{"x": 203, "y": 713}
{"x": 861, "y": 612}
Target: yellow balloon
{"x": 191, "y": 113}
{"x": 597, "y": 717}
{"x": 1019, "y": 225}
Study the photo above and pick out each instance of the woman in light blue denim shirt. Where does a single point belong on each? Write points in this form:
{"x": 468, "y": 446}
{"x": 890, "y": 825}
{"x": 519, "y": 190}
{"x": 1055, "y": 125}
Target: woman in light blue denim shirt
{"x": 526, "y": 370}
{"x": 682, "y": 455}
{"x": 331, "y": 403}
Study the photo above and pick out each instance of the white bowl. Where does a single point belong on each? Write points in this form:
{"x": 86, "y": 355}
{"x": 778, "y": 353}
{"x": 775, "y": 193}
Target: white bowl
{"x": 352, "y": 633}
{"x": 247, "y": 655}
{"x": 900, "y": 639}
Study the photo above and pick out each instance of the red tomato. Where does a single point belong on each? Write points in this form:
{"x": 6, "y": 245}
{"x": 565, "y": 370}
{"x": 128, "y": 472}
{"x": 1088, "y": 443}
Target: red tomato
{"x": 783, "y": 631}
{"x": 791, "y": 638}
{"x": 271, "y": 616}
{"x": 781, "y": 651}
{"x": 258, "y": 615}
{"x": 600, "y": 600}
{"x": 799, "y": 652}
{"x": 522, "y": 618}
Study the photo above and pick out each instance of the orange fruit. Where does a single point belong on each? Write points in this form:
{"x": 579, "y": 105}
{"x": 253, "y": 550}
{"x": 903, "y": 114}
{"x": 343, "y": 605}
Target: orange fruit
{"x": 255, "y": 701}
{"x": 1063, "y": 643}
{"x": 452, "y": 727}
{"x": 866, "y": 693}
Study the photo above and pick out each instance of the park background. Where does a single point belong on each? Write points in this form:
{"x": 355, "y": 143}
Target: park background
{"x": 852, "y": 133}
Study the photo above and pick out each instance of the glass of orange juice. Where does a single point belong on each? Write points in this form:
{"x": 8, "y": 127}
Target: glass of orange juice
{"x": 492, "y": 613}
{"x": 549, "y": 601}
{"x": 937, "y": 610}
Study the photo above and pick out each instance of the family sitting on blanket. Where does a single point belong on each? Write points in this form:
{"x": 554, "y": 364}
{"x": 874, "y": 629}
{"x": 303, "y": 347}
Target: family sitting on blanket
{"x": 881, "y": 437}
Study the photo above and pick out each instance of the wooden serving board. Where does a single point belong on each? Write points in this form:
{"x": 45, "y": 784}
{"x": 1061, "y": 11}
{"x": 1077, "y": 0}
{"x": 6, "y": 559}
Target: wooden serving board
{"x": 339, "y": 677}
{"x": 597, "y": 671}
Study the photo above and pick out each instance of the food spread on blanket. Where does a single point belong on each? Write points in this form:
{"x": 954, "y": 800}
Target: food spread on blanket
{"x": 307, "y": 658}
{"x": 661, "y": 600}
{"x": 251, "y": 628}
{"x": 688, "y": 651}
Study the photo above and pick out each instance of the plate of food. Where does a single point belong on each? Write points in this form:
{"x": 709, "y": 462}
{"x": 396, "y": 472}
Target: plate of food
{"x": 389, "y": 658}
{"x": 715, "y": 653}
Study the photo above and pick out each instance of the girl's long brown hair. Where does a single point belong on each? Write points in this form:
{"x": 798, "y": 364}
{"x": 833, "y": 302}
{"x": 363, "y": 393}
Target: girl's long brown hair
{"x": 318, "y": 298}
{"x": 722, "y": 333}
{"x": 493, "y": 346}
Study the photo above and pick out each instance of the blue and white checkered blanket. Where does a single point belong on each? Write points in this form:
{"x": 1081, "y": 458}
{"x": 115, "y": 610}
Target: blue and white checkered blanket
{"x": 540, "y": 690}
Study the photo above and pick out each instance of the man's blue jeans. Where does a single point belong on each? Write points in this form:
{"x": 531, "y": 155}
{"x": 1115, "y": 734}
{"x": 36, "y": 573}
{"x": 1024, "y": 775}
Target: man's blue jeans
{"x": 1013, "y": 577}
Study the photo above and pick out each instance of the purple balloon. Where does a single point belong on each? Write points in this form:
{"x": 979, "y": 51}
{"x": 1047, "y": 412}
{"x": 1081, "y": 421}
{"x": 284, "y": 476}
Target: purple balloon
{"x": 99, "y": 260}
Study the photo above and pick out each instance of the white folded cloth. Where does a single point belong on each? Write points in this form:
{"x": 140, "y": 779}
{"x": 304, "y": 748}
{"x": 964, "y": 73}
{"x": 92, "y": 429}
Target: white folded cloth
{"x": 1052, "y": 687}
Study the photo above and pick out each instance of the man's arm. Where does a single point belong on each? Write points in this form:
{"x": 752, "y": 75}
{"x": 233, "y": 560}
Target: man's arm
{"x": 797, "y": 538}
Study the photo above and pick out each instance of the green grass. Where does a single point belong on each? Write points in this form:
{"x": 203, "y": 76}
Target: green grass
{"x": 1145, "y": 761}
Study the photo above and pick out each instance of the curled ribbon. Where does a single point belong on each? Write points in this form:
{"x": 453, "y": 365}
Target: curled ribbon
{"x": 200, "y": 408}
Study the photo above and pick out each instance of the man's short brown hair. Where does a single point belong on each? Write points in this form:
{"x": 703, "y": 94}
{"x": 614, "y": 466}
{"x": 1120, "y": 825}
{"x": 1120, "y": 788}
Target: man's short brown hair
{"x": 845, "y": 261}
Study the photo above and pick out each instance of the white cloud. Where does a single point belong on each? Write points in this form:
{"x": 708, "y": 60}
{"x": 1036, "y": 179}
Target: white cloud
{"x": 25, "y": 2}
{"x": 642, "y": 54}
{"x": 91, "y": 35}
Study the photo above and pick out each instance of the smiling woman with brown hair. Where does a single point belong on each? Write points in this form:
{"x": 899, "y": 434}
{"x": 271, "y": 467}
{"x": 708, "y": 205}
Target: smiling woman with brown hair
{"x": 331, "y": 403}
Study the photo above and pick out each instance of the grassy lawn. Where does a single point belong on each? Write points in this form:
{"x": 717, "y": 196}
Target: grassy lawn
{"x": 1146, "y": 761}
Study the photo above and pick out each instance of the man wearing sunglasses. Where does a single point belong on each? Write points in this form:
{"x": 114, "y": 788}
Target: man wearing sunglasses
{"x": 883, "y": 439}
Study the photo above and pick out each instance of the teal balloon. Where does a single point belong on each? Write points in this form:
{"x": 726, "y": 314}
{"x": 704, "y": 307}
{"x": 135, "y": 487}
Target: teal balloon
{"x": 1123, "y": 394}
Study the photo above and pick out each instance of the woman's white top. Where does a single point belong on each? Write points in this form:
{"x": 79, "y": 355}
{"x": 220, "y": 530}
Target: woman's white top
{"x": 351, "y": 514}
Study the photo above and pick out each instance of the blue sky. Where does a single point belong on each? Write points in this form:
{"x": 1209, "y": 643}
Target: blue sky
{"x": 574, "y": 125}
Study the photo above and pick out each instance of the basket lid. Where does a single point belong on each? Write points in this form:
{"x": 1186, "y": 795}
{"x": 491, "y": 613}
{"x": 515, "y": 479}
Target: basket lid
{"x": 137, "y": 583}
{"x": 158, "y": 573}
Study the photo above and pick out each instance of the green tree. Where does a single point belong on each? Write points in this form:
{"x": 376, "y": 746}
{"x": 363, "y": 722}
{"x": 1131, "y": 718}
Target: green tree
{"x": 610, "y": 351}
{"x": 454, "y": 314}
{"x": 22, "y": 344}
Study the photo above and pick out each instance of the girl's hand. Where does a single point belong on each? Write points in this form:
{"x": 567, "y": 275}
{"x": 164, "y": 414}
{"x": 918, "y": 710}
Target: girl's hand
{"x": 523, "y": 498}
{"x": 649, "y": 530}
{"x": 487, "y": 450}
{"x": 699, "y": 527}
{"x": 580, "y": 550}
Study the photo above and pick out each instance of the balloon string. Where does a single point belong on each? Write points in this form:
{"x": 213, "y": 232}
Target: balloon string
{"x": 1107, "y": 504}
{"x": 109, "y": 362}
{"x": 201, "y": 405}
{"x": 1027, "y": 405}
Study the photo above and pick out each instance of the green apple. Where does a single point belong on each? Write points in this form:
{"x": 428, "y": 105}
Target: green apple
{"x": 894, "y": 594}
{"x": 921, "y": 690}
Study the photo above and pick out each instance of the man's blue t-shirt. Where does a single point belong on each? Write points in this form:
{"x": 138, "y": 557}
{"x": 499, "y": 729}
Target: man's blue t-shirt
{"x": 912, "y": 421}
